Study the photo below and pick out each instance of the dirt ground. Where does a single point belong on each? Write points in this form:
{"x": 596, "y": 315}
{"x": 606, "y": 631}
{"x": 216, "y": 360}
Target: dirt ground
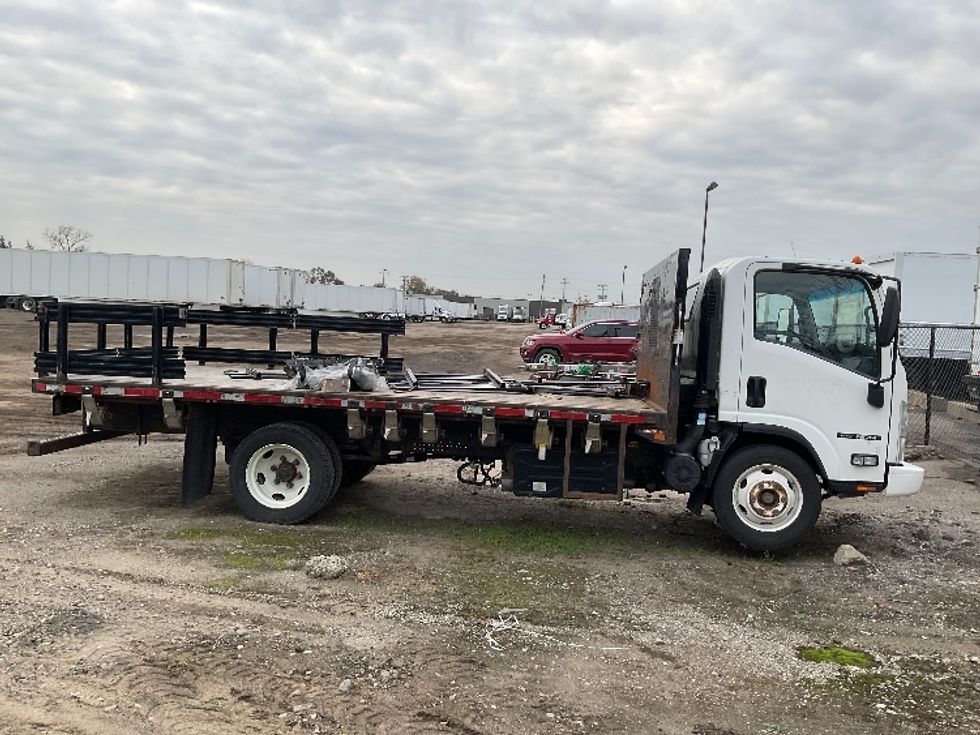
{"x": 122, "y": 612}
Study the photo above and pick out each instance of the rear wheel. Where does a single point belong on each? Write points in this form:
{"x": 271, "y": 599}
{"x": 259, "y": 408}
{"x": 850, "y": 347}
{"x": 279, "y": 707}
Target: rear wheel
{"x": 548, "y": 355}
{"x": 27, "y": 304}
{"x": 766, "y": 497}
{"x": 284, "y": 473}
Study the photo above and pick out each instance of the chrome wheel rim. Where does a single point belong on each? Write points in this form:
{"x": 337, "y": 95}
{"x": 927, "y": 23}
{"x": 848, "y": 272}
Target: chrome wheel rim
{"x": 277, "y": 476}
{"x": 767, "y": 498}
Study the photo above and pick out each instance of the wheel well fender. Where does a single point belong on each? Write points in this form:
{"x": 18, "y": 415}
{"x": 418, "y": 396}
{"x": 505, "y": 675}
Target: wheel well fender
{"x": 553, "y": 348}
{"x": 749, "y": 434}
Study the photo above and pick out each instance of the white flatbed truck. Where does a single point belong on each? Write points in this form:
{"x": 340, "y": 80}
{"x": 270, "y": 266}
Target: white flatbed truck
{"x": 762, "y": 389}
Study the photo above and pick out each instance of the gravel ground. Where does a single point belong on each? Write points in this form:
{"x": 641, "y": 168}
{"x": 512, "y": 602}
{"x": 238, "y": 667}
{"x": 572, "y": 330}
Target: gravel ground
{"x": 460, "y": 611}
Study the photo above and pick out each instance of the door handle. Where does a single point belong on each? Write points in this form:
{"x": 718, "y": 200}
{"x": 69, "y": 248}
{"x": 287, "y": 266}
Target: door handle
{"x": 756, "y": 397}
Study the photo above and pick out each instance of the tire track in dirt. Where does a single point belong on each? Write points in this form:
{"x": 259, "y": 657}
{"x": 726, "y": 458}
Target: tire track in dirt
{"x": 189, "y": 677}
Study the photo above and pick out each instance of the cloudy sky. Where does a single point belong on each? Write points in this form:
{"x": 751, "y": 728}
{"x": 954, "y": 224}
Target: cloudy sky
{"x": 480, "y": 144}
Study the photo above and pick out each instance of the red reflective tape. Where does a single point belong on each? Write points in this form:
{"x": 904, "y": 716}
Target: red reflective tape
{"x": 448, "y": 408}
{"x": 375, "y": 404}
{"x": 95, "y": 390}
{"x": 621, "y": 418}
{"x": 504, "y": 411}
{"x": 142, "y": 392}
{"x": 564, "y": 415}
{"x": 201, "y": 395}
{"x": 38, "y": 387}
{"x": 262, "y": 398}
{"x": 325, "y": 402}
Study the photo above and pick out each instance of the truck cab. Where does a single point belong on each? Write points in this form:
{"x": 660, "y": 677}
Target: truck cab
{"x": 791, "y": 392}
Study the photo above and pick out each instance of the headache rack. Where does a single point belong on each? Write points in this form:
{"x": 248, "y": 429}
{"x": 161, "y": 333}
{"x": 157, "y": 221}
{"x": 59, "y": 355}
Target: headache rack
{"x": 162, "y": 360}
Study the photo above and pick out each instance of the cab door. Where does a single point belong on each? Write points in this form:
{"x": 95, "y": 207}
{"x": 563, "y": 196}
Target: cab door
{"x": 809, "y": 351}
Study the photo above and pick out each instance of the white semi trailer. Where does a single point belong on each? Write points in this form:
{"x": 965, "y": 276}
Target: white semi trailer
{"x": 28, "y": 277}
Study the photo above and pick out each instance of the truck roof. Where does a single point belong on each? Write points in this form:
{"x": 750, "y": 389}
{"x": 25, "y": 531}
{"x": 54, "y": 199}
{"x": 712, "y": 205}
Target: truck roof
{"x": 743, "y": 262}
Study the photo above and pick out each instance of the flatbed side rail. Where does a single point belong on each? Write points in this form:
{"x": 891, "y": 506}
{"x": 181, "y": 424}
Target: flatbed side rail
{"x": 332, "y": 401}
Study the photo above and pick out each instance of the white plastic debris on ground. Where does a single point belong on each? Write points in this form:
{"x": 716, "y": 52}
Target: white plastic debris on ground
{"x": 508, "y": 622}
{"x": 355, "y": 374}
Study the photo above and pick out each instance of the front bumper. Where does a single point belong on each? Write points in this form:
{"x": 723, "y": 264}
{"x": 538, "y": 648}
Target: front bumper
{"x": 904, "y": 479}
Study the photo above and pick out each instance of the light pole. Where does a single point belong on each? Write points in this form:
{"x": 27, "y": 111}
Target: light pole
{"x": 384, "y": 271}
{"x": 541, "y": 300}
{"x": 622, "y": 290}
{"x": 704, "y": 229}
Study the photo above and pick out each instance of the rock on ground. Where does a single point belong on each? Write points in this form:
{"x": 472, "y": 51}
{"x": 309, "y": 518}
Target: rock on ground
{"x": 847, "y": 556}
{"x": 327, "y": 567}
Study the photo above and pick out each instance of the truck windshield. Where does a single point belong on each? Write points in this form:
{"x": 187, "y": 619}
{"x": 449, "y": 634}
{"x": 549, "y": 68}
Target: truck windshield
{"x": 829, "y": 315}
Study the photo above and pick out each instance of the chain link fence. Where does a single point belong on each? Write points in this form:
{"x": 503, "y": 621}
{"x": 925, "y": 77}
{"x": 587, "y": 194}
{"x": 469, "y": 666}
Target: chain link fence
{"x": 942, "y": 362}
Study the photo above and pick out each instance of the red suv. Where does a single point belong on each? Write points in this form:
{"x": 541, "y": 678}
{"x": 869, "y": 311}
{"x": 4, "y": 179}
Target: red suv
{"x": 601, "y": 341}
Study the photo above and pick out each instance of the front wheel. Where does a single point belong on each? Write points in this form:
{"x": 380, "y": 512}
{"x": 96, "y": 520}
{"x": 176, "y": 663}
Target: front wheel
{"x": 766, "y": 497}
{"x": 548, "y": 356}
{"x": 284, "y": 473}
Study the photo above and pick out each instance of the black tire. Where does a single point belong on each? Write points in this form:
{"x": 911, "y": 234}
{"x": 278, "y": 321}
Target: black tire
{"x": 334, "y": 450}
{"x": 320, "y": 454}
{"x": 27, "y": 304}
{"x": 743, "y": 520}
{"x": 548, "y": 352}
{"x": 355, "y": 470}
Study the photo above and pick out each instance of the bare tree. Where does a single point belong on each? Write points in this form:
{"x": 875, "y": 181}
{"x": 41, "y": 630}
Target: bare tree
{"x": 69, "y": 238}
{"x": 5, "y": 244}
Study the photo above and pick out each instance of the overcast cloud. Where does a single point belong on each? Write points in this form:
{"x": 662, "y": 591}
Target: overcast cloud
{"x": 481, "y": 144}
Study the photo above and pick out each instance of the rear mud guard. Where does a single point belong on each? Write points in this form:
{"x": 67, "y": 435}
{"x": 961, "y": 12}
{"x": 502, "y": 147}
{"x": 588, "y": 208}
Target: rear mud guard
{"x": 200, "y": 445}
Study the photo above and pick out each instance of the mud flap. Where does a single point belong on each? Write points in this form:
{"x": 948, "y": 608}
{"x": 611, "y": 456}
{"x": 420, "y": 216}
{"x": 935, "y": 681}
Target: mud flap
{"x": 699, "y": 496}
{"x": 200, "y": 445}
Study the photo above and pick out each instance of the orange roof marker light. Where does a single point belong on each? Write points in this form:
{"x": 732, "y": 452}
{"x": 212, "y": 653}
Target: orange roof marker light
{"x": 857, "y": 260}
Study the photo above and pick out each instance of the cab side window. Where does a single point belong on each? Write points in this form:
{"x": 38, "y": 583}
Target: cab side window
{"x": 828, "y": 315}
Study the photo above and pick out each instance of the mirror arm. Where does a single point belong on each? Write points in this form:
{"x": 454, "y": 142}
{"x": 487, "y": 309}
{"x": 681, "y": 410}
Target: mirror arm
{"x": 891, "y": 377}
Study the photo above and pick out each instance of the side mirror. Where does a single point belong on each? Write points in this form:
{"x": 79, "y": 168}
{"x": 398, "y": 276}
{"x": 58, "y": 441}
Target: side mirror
{"x": 579, "y": 335}
{"x": 889, "y": 317}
